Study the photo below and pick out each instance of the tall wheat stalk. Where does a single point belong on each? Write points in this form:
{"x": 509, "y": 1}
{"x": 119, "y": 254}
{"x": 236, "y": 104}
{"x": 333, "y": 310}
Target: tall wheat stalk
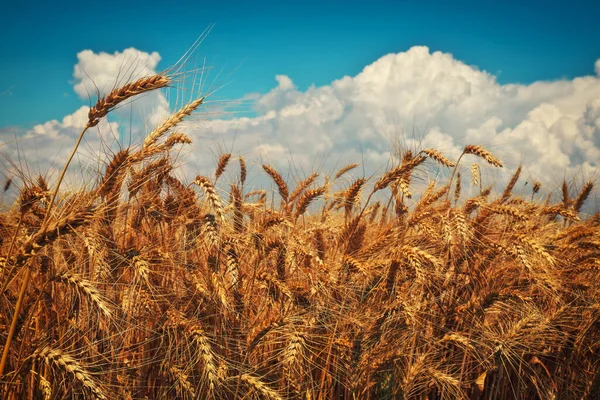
{"x": 100, "y": 110}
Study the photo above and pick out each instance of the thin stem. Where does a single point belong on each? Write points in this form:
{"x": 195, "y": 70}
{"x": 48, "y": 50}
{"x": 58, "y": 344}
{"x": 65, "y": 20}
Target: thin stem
{"x": 13, "y": 324}
{"x": 61, "y": 177}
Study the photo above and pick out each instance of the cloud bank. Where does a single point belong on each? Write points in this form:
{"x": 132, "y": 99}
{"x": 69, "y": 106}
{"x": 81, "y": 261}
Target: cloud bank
{"x": 422, "y": 98}
{"x": 428, "y": 100}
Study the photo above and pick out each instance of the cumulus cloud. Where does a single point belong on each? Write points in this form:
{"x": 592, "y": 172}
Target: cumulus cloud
{"x": 418, "y": 97}
{"x": 44, "y": 149}
{"x": 428, "y": 100}
{"x": 103, "y": 71}
{"x": 99, "y": 73}
{"x": 46, "y": 146}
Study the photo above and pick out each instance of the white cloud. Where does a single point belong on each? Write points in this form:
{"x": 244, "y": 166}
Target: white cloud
{"x": 427, "y": 99}
{"x": 552, "y": 127}
{"x": 103, "y": 71}
{"x": 284, "y": 82}
{"x": 46, "y": 146}
{"x": 99, "y": 73}
{"x": 53, "y": 129}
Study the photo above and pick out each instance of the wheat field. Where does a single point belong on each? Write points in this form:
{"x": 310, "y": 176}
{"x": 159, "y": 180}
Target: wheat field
{"x": 145, "y": 286}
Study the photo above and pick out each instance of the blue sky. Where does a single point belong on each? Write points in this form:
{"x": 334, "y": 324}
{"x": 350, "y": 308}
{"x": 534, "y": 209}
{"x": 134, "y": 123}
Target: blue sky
{"x": 324, "y": 83}
{"x": 311, "y": 42}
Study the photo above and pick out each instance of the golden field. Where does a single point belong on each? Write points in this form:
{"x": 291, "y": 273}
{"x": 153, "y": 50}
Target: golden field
{"x": 334, "y": 287}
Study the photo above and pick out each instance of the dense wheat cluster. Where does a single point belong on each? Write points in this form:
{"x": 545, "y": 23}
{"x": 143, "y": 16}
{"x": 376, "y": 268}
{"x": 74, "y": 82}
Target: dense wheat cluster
{"x": 341, "y": 286}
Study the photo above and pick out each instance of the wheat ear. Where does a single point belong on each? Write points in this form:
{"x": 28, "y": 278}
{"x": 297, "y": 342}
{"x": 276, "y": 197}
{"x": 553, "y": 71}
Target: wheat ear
{"x": 205, "y": 352}
{"x": 171, "y": 122}
{"x": 107, "y": 103}
{"x": 345, "y": 169}
{"x": 479, "y": 151}
{"x": 243, "y": 171}
{"x": 114, "y": 171}
{"x": 212, "y": 195}
{"x": 585, "y": 193}
{"x": 100, "y": 110}
{"x": 221, "y": 165}
{"x": 182, "y": 382}
{"x": 84, "y": 286}
{"x": 7, "y": 184}
{"x": 70, "y": 365}
{"x": 475, "y": 174}
{"x": 306, "y": 199}
{"x": 177, "y": 138}
{"x": 302, "y": 185}
{"x": 278, "y": 179}
{"x": 260, "y": 387}
{"x": 352, "y": 195}
{"x": 437, "y": 156}
{"x": 407, "y": 166}
{"x": 511, "y": 184}
{"x": 45, "y": 386}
